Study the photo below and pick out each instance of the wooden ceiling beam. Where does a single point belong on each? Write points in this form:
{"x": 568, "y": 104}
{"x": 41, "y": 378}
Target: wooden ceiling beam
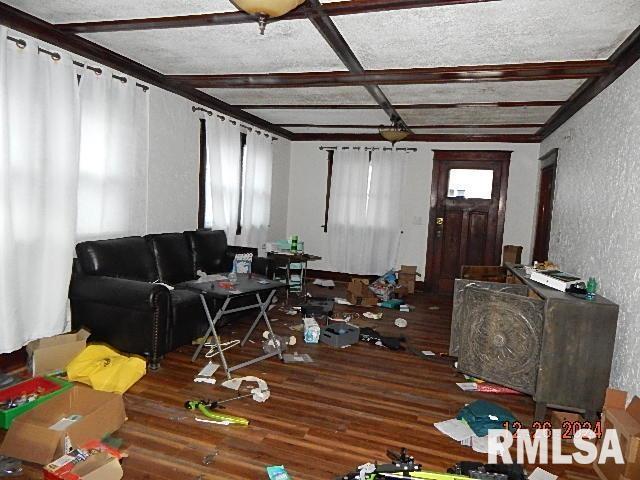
{"x": 417, "y": 106}
{"x": 35, "y": 27}
{"x": 325, "y": 26}
{"x": 441, "y": 137}
{"x": 580, "y": 69}
{"x": 234, "y": 18}
{"x": 624, "y": 57}
{"x": 444, "y": 126}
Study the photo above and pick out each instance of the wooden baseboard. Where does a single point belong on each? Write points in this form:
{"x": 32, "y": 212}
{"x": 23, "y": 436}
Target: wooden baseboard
{"x": 346, "y": 277}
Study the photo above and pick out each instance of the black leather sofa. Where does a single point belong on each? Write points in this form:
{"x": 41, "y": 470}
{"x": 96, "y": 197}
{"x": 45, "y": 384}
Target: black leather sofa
{"x": 113, "y": 294}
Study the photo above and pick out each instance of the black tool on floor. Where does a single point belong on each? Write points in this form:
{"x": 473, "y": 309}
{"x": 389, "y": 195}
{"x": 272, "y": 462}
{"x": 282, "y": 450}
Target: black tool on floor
{"x": 218, "y": 403}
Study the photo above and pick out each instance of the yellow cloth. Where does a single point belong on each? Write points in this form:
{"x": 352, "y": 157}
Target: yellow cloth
{"x": 105, "y": 369}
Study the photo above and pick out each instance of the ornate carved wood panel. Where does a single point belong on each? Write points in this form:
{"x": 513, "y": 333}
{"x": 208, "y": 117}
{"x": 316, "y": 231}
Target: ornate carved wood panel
{"x": 458, "y": 292}
{"x": 500, "y": 337}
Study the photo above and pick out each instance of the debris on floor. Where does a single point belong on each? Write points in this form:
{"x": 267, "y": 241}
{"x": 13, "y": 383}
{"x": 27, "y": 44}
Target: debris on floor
{"x": 370, "y": 335}
{"x": 311, "y": 330}
{"x": 372, "y": 315}
{"x": 296, "y": 357}
{"x": 540, "y": 474}
{"x": 400, "y": 322}
{"x": 340, "y": 335}
{"x": 92, "y": 460}
{"x": 260, "y": 394}
{"x": 206, "y": 409}
{"x": 489, "y": 471}
{"x": 324, "y": 283}
{"x": 278, "y": 472}
{"x": 10, "y": 467}
{"x": 206, "y": 374}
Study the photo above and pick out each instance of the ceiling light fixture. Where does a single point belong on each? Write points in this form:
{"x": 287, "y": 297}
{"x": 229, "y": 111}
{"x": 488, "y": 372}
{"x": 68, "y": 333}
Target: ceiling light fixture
{"x": 394, "y": 133}
{"x": 265, "y": 9}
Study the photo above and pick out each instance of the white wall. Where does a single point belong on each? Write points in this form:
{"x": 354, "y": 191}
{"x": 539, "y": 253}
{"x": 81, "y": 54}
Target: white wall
{"x": 280, "y": 188}
{"x": 596, "y": 216}
{"x": 308, "y": 184}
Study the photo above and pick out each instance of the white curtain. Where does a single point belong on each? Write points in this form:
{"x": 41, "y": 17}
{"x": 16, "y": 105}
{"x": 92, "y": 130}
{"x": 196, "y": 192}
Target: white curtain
{"x": 39, "y": 138}
{"x": 223, "y": 177}
{"x": 384, "y": 213}
{"x": 256, "y": 200}
{"x": 346, "y": 227}
{"x": 114, "y": 155}
{"x": 365, "y": 217}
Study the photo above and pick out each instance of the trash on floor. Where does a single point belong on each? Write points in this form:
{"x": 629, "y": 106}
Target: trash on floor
{"x": 400, "y": 323}
{"x": 428, "y": 353}
{"x": 540, "y": 474}
{"x": 407, "y": 277}
{"x": 54, "y": 353}
{"x": 311, "y": 330}
{"x": 394, "y": 303}
{"x": 206, "y": 374}
{"x": 342, "y": 301}
{"x": 260, "y": 394}
{"x": 10, "y": 467}
{"x": 94, "y": 460}
{"x": 468, "y": 386}
{"x": 206, "y": 409}
{"x": 482, "y": 416}
{"x": 324, "y": 283}
{"x": 92, "y": 413}
{"x": 489, "y": 471}
{"x": 7, "y": 380}
{"x": 372, "y": 315}
{"x": 102, "y": 368}
{"x": 317, "y": 307}
{"x": 340, "y": 335}
{"x": 278, "y": 472}
{"x": 297, "y": 358}
{"x": 433, "y": 307}
{"x": 358, "y": 293}
{"x": 370, "y": 335}
{"x": 384, "y": 286}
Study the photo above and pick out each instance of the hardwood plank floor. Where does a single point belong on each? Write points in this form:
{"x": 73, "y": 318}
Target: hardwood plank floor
{"x": 323, "y": 419}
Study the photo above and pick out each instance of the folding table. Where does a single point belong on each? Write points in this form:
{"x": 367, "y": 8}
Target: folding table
{"x": 245, "y": 286}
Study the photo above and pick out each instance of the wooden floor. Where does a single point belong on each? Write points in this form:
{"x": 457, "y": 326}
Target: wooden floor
{"x": 322, "y": 420}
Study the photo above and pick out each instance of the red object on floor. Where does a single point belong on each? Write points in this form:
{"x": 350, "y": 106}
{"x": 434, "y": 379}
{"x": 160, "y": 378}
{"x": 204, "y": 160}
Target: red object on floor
{"x": 493, "y": 388}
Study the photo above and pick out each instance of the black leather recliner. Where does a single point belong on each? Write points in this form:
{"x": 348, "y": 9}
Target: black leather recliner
{"x": 113, "y": 293}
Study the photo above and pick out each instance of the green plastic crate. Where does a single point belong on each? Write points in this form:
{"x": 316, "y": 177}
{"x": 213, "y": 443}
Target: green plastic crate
{"x": 7, "y": 416}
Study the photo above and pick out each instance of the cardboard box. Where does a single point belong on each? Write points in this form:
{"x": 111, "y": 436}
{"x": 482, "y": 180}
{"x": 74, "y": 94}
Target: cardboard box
{"x": 568, "y": 422}
{"x": 360, "y": 287}
{"x": 54, "y": 353}
{"x": 369, "y": 301}
{"x": 626, "y": 421}
{"x": 93, "y": 461}
{"x": 407, "y": 277}
{"x": 32, "y": 439}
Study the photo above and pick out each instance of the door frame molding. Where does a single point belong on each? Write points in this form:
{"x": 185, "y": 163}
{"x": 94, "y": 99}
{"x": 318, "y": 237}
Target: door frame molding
{"x": 548, "y": 160}
{"x": 503, "y": 156}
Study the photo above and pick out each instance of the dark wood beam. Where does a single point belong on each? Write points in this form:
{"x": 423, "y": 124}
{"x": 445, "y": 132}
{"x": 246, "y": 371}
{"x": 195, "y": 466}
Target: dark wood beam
{"x": 325, "y": 26}
{"x": 417, "y": 106}
{"x": 234, "y": 18}
{"x": 624, "y": 57}
{"x": 30, "y": 25}
{"x": 581, "y": 69}
{"x": 445, "y": 126}
{"x": 443, "y": 137}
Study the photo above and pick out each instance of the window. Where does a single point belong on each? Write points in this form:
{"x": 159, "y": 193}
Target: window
{"x": 468, "y": 183}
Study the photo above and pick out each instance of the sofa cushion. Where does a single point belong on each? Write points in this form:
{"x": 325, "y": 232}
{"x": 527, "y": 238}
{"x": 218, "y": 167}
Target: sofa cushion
{"x": 127, "y": 257}
{"x": 173, "y": 257}
{"x": 209, "y": 250}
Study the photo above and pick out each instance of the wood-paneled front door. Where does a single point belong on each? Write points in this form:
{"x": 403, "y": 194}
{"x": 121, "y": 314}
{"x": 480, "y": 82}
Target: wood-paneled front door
{"x": 466, "y": 221}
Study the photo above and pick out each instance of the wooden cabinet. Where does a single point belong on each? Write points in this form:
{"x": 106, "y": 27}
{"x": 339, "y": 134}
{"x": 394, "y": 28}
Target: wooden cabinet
{"x": 551, "y": 345}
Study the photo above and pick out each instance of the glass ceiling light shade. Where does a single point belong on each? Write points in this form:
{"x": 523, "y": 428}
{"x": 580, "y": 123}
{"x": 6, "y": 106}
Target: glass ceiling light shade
{"x": 265, "y": 9}
{"x": 394, "y": 133}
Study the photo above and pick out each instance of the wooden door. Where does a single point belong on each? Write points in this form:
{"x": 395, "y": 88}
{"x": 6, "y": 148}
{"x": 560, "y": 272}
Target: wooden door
{"x": 545, "y": 207}
{"x": 466, "y": 223}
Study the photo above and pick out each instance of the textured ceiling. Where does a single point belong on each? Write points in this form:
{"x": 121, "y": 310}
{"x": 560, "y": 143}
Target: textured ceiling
{"x": 293, "y": 96}
{"x": 332, "y": 130}
{"x": 291, "y": 46}
{"x": 509, "y": 31}
{"x": 322, "y": 117}
{"x": 477, "y": 115}
{"x": 476, "y": 131}
{"x": 482, "y": 92}
{"x": 66, "y": 11}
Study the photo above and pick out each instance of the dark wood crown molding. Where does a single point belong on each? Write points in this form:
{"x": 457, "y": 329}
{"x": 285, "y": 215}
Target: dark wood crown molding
{"x": 624, "y": 57}
{"x": 444, "y": 127}
{"x": 35, "y": 27}
{"x": 417, "y": 106}
{"x": 459, "y": 74}
{"x": 373, "y": 137}
{"x": 234, "y": 18}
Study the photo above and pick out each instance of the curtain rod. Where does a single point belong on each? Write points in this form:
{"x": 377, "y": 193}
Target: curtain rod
{"x": 233, "y": 122}
{"x": 20, "y": 43}
{"x": 386, "y": 149}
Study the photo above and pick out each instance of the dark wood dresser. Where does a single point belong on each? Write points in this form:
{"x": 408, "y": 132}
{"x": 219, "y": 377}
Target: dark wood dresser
{"x": 556, "y": 347}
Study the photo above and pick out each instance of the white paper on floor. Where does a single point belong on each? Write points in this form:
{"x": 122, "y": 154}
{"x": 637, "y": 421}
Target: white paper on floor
{"x": 540, "y": 474}
{"x": 468, "y": 386}
{"x": 428, "y": 353}
{"x": 260, "y": 394}
{"x": 324, "y": 283}
{"x": 456, "y": 429}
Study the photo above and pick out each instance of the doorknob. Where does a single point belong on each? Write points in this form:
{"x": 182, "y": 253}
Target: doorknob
{"x": 439, "y": 221}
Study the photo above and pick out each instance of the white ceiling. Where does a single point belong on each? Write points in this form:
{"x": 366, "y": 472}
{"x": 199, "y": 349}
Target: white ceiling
{"x": 508, "y": 31}
{"x": 322, "y": 117}
{"x": 524, "y": 91}
{"x": 331, "y": 130}
{"x": 476, "y": 131}
{"x": 477, "y": 115}
{"x": 293, "y": 96}
{"x": 67, "y": 11}
{"x": 291, "y": 46}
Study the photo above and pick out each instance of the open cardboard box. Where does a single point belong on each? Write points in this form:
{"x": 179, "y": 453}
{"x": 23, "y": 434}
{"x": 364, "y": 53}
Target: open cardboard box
{"x": 102, "y": 463}
{"x": 358, "y": 293}
{"x": 54, "y": 353}
{"x": 32, "y": 439}
{"x": 626, "y": 421}
{"x": 407, "y": 277}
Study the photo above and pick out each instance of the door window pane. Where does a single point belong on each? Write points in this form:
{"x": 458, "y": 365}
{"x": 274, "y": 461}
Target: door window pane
{"x": 468, "y": 183}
